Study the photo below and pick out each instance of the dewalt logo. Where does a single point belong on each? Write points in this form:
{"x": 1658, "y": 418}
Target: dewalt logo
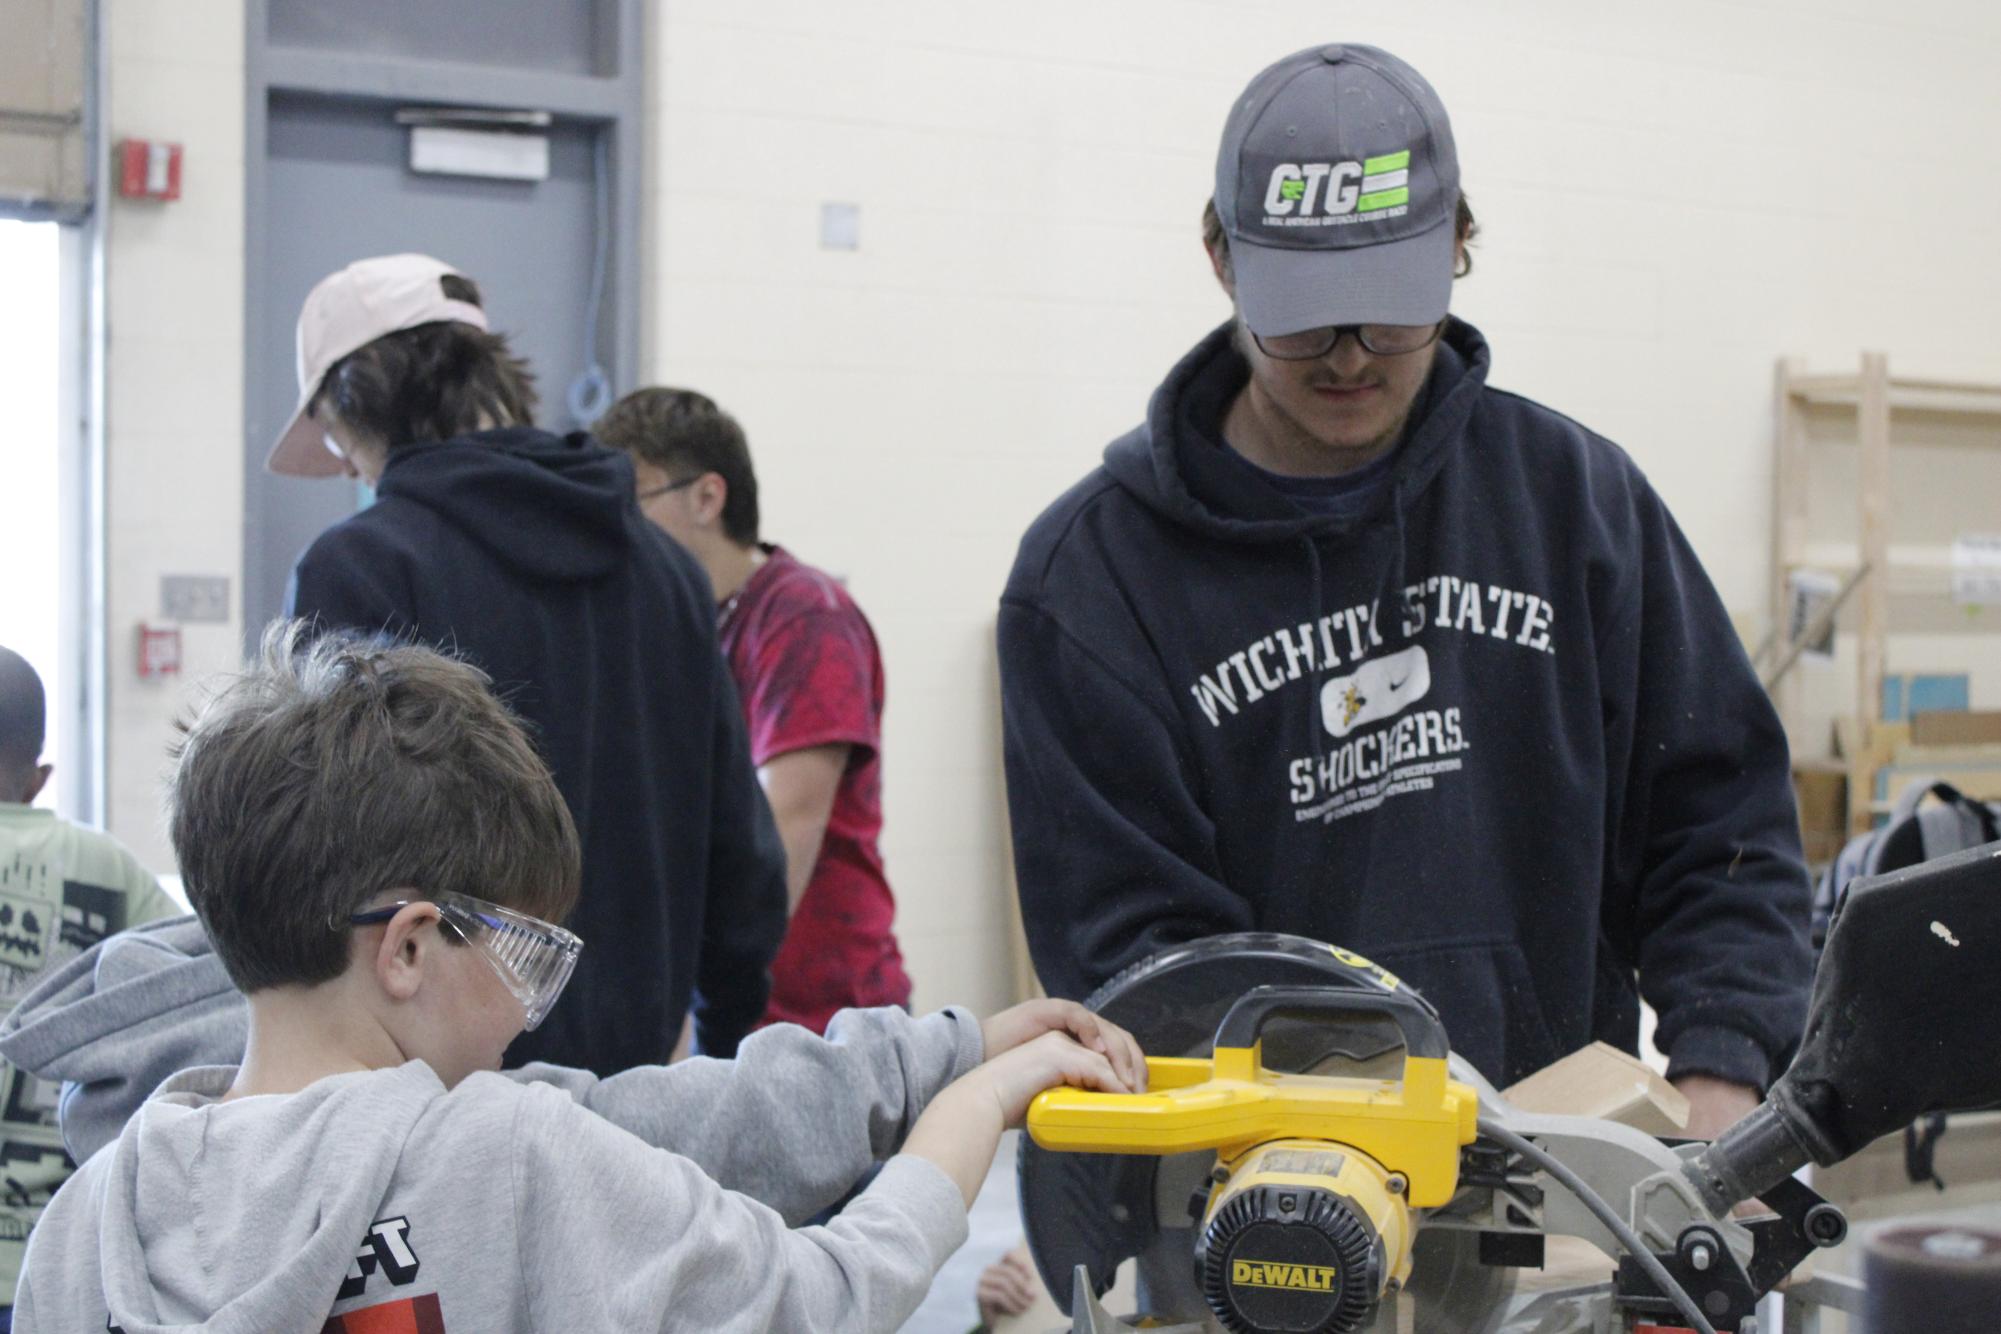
{"x": 1298, "y": 1278}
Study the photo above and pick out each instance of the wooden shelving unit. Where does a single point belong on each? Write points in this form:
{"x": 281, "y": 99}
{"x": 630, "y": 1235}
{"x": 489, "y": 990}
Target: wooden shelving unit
{"x": 1875, "y": 396}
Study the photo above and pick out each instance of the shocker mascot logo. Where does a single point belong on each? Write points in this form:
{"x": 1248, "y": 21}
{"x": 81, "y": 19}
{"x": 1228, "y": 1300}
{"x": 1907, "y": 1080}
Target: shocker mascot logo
{"x": 1351, "y": 705}
{"x": 1380, "y": 688}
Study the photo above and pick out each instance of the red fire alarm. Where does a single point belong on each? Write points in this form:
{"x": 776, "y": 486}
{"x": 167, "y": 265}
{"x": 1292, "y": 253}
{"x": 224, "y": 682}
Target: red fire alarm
{"x": 159, "y": 651}
{"x": 149, "y": 169}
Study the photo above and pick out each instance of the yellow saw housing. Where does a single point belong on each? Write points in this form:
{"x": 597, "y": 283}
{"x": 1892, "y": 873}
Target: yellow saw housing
{"x": 1415, "y": 1125}
{"x": 1309, "y": 1222}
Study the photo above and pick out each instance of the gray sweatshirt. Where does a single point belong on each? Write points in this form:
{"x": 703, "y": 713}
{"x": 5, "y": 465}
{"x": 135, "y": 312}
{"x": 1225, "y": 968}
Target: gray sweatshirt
{"x": 540, "y": 1199}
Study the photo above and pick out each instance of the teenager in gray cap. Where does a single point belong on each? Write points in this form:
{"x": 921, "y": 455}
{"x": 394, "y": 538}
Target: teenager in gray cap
{"x": 1343, "y": 642}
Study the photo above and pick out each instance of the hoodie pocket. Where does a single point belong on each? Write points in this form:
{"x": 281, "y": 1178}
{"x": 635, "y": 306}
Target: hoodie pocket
{"x": 1484, "y": 992}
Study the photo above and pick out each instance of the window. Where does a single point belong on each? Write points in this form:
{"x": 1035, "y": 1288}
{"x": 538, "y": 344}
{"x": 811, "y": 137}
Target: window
{"x": 34, "y": 536}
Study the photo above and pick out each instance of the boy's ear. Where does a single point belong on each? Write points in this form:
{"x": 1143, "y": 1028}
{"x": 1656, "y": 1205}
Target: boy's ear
{"x": 711, "y": 493}
{"x": 38, "y": 778}
{"x": 407, "y": 942}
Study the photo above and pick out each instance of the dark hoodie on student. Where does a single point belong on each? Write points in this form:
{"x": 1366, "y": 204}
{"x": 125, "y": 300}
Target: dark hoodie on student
{"x": 525, "y": 553}
{"x": 1491, "y": 727}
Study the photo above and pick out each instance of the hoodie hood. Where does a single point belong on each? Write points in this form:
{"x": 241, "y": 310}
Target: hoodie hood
{"x": 555, "y": 509}
{"x": 528, "y": 556}
{"x": 201, "y": 1194}
{"x": 112, "y": 1023}
{"x": 1182, "y": 480}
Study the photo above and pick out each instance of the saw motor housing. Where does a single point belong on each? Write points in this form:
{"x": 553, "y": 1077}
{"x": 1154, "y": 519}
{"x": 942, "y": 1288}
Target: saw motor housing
{"x": 1303, "y": 1235}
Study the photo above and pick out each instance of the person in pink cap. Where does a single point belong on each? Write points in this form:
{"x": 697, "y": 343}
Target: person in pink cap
{"x": 525, "y": 553}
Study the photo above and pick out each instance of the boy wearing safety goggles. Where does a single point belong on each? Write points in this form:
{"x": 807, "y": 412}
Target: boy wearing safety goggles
{"x": 378, "y": 857}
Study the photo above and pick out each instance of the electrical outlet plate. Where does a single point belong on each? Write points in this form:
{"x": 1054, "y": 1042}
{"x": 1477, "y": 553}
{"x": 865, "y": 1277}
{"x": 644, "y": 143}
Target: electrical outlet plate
{"x": 840, "y": 226}
{"x": 194, "y": 599}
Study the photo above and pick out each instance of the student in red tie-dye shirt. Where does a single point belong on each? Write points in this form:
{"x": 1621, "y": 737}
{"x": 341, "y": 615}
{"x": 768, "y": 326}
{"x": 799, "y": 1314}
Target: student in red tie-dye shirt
{"x": 810, "y": 675}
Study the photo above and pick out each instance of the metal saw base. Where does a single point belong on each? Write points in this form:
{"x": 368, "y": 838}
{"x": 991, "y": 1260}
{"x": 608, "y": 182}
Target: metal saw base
{"x": 1586, "y": 1310}
{"x": 1557, "y": 1308}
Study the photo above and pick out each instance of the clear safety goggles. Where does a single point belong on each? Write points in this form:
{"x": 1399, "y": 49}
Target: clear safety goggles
{"x": 534, "y": 958}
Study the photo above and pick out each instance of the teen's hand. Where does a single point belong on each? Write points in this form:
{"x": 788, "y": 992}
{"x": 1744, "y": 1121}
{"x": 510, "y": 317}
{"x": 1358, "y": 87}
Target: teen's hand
{"x": 1714, "y": 1105}
{"x": 1023, "y": 1023}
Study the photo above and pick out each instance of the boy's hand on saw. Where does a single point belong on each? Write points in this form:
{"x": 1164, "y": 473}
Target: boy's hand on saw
{"x": 1024, "y": 1023}
{"x": 1029, "y": 1048}
{"x": 1013, "y": 1078}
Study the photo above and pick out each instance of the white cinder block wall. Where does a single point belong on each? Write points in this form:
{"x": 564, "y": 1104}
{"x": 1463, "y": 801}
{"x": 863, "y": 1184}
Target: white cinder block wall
{"x": 174, "y": 370}
{"x": 1672, "y": 196}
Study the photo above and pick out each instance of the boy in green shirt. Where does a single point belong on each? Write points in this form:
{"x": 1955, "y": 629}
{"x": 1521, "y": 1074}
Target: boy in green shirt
{"x": 63, "y": 888}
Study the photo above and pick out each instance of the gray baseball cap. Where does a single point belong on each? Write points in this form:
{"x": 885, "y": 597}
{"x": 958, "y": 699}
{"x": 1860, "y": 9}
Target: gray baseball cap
{"x": 1337, "y": 185}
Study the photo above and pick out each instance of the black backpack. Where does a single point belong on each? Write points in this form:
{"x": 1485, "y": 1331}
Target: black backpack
{"x": 1916, "y": 833}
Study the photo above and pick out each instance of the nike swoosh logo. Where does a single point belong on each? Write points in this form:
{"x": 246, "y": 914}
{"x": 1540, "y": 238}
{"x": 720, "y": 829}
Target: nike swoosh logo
{"x": 1397, "y": 685}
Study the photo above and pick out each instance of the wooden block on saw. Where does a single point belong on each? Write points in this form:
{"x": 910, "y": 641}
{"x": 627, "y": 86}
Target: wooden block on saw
{"x": 1602, "y": 1081}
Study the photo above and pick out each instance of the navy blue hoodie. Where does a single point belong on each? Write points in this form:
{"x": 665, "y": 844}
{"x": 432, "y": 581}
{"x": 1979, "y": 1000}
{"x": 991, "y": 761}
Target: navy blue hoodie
{"x": 1495, "y": 731}
{"x": 526, "y": 554}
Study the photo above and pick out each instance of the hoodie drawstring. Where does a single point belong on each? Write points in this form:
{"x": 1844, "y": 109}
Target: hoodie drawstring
{"x": 1389, "y": 593}
{"x": 1317, "y": 659}
{"x": 1395, "y": 571}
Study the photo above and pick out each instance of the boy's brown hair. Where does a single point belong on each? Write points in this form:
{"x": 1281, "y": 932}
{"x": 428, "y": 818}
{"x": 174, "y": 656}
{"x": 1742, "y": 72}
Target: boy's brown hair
{"x": 339, "y": 768}
{"x": 685, "y": 434}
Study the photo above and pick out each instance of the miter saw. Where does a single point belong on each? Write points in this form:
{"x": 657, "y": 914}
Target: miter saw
{"x": 1310, "y": 1158}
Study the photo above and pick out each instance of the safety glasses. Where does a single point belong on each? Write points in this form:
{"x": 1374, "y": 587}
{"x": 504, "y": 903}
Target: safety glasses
{"x": 645, "y": 496}
{"x": 534, "y": 958}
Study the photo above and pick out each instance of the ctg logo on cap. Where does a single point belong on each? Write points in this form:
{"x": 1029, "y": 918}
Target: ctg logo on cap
{"x": 1332, "y": 194}
{"x": 1337, "y": 184}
